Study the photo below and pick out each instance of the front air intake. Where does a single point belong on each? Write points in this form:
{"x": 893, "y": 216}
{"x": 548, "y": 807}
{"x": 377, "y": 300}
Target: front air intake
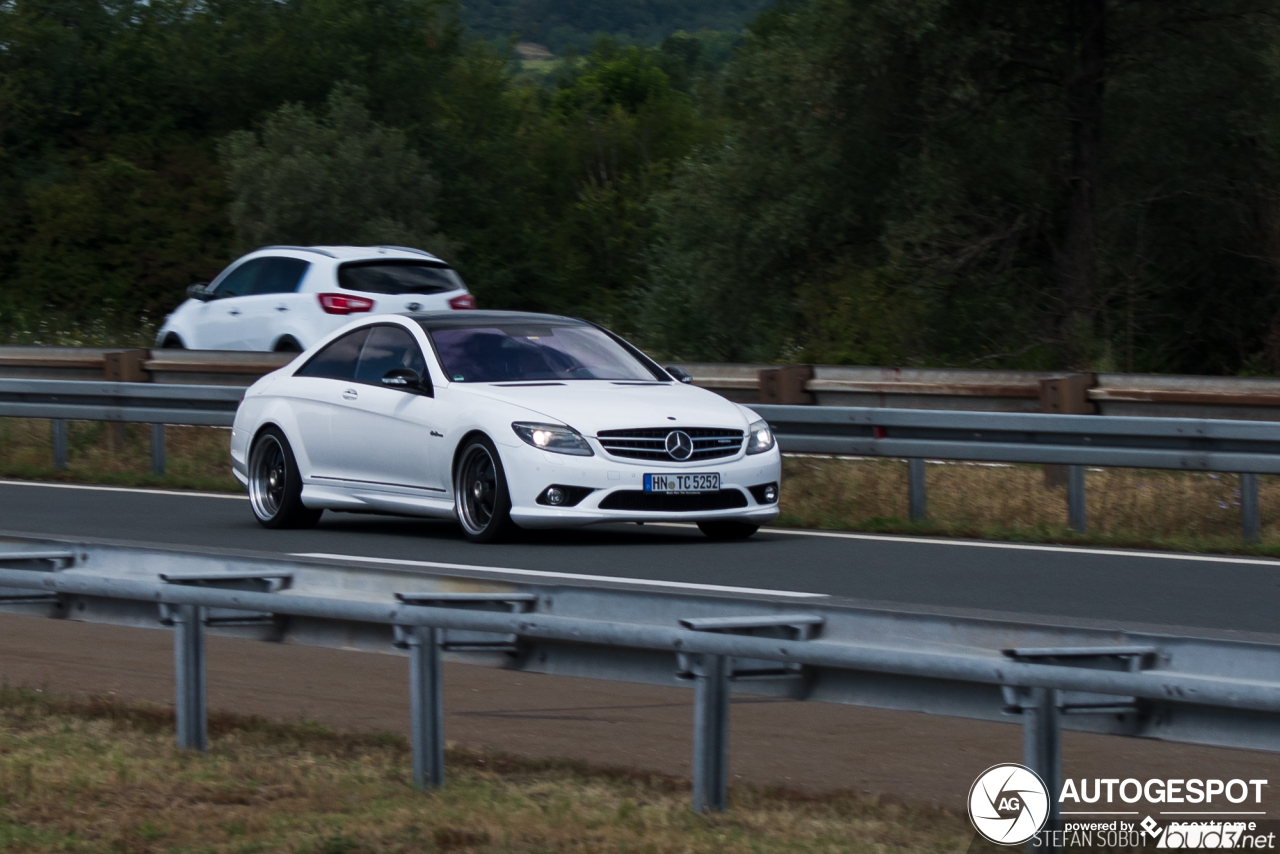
{"x": 662, "y": 502}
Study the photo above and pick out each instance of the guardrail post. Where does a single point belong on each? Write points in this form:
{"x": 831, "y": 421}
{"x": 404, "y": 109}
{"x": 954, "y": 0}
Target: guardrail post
{"x": 1042, "y": 747}
{"x": 917, "y": 498}
{"x": 157, "y": 450}
{"x": 1250, "y": 512}
{"x": 711, "y": 735}
{"x": 426, "y": 705}
{"x": 59, "y": 428}
{"x": 1066, "y": 395}
{"x": 122, "y": 367}
{"x": 786, "y": 385}
{"x": 1075, "y": 499}
{"x": 188, "y": 661}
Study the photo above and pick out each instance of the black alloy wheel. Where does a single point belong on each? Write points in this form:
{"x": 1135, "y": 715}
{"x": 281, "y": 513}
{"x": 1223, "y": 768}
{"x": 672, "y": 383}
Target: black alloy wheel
{"x": 275, "y": 485}
{"x": 727, "y": 529}
{"x": 480, "y": 494}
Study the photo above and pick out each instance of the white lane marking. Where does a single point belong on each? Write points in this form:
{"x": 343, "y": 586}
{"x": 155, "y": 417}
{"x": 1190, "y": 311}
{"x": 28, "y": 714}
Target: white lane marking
{"x": 986, "y": 544}
{"x": 683, "y": 585}
{"x": 137, "y": 489}
{"x": 795, "y": 532}
{"x": 1030, "y": 547}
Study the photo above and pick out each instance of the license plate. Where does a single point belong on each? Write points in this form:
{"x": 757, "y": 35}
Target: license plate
{"x": 682, "y": 482}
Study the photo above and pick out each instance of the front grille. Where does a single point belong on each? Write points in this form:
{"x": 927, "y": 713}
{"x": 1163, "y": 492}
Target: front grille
{"x": 662, "y": 502}
{"x": 709, "y": 443}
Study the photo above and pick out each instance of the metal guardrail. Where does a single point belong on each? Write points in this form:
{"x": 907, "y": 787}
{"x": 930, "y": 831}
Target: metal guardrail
{"x": 804, "y": 647}
{"x": 1075, "y": 441}
{"x": 118, "y": 402}
{"x": 143, "y": 403}
{"x": 1183, "y": 444}
{"x": 1155, "y": 395}
{"x": 188, "y": 367}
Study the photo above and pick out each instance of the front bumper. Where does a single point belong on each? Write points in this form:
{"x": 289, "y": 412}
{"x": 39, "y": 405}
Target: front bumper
{"x": 529, "y": 471}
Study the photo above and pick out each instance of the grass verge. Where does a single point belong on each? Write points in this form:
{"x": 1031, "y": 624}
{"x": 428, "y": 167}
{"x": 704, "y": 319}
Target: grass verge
{"x": 95, "y": 775}
{"x": 1130, "y": 508}
{"x": 197, "y": 456}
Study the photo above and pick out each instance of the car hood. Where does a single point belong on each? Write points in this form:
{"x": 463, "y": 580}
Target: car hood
{"x": 590, "y": 406}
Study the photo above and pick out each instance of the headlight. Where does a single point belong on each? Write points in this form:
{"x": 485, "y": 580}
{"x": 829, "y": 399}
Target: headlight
{"x": 759, "y": 438}
{"x": 555, "y": 438}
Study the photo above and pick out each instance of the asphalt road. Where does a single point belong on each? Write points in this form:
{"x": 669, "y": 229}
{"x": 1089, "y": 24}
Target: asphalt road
{"x": 1111, "y": 586}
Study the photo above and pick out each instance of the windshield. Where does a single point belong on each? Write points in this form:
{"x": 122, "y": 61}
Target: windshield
{"x": 398, "y": 277}
{"x": 505, "y": 352}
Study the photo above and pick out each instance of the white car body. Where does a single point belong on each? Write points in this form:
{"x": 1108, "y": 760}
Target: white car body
{"x": 372, "y": 448}
{"x": 299, "y": 307}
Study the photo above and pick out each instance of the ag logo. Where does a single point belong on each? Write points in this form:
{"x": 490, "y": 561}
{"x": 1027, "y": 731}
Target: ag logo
{"x": 1008, "y": 804}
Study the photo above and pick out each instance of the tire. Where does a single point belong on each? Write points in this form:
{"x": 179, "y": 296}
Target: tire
{"x": 172, "y": 342}
{"x": 727, "y": 529}
{"x": 288, "y": 345}
{"x": 480, "y": 495}
{"x": 275, "y": 484}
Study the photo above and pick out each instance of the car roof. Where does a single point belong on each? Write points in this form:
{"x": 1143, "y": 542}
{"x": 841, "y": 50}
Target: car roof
{"x": 461, "y": 319}
{"x": 358, "y": 253}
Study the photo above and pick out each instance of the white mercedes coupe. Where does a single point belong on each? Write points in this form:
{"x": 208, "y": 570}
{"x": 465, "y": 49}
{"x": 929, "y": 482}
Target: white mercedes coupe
{"x": 502, "y": 420}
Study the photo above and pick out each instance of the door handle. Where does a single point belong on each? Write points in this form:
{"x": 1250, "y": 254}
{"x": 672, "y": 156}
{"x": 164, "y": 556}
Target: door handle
{"x": 234, "y": 312}
{"x": 282, "y": 308}
{"x": 350, "y": 394}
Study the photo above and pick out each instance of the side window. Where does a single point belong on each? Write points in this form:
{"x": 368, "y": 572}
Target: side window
{"x": 241, "y": 280}
{"x": 388, "y": 348}
{"x": 338, "y": 360}
{"x": 280, "y": 275}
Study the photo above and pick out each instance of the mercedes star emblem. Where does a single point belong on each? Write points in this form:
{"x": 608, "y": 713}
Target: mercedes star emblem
{"x": 679, "y": 445}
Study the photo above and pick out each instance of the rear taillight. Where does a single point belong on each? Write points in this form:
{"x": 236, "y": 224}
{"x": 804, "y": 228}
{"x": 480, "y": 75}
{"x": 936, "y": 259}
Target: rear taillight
{"x": 463, "y": 302}
{"x": 343, "y": 304}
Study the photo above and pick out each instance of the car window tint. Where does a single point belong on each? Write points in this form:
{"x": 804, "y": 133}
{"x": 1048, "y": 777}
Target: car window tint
{"x": 338, "y": 360}
{"x": 241, "y": 280}
{"x": 389, "y": 347}
{"x": 398, "y": 277}
{"x": 279, "y": 275}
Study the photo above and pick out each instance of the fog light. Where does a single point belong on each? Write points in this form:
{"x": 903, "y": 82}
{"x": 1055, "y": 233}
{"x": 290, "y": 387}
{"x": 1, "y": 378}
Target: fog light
{"x": 771, "y": 494}
{"x": 555, "y": 495}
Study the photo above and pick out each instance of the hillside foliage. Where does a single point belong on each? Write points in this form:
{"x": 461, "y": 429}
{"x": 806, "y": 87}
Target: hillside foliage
{"x": 1071, "y": 183}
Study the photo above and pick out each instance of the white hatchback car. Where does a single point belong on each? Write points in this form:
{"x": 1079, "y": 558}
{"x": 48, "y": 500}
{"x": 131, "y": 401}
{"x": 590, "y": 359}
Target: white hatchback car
{"x": 286, "y": 298}
{"x": 502, "y": 420}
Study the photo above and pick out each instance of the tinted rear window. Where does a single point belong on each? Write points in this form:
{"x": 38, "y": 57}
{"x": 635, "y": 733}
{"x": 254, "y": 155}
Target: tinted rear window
{"x": 398, "y": 277}
{"x": 338, "y": 360}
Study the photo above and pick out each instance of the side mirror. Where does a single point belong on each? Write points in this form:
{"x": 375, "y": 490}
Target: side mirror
{"x": 200, "y": 291}
{"x": 680, "y": 374}
{"x": 406, "y": 379}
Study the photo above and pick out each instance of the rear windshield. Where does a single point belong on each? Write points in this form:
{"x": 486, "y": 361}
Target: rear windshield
{"x": 504, "y": 352}
{"x": 398, "y": 277}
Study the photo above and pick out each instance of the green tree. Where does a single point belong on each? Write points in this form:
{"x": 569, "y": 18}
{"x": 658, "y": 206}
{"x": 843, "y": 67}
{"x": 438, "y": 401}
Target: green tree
{"x": 109, "y": 182}
{"x": 974, "y": 181}
{"x": 547, "y": 191}
{"x": 334, "y": 178}
{"x": 121, "y": 237}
